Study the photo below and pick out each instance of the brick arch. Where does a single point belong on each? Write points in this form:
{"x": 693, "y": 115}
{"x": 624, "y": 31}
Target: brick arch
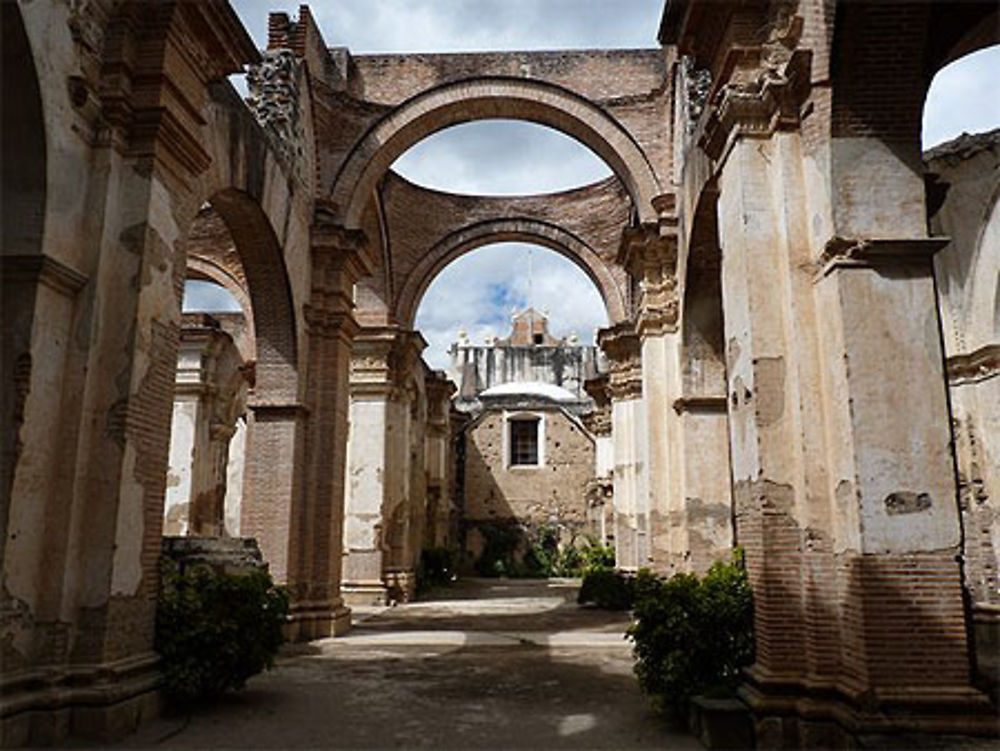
{"x": 491, "y": 98}
{"x": 534, "y": 231}
{"x": 274, "y": 323}
{"x": 884, "y": 58}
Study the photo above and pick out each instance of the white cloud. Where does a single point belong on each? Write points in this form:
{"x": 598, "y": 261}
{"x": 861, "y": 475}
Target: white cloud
{"x": 387, "y": 26}
{"x": 964, "y": 97}
{"x": 501, "y": 157}
{"x": 208, "y": 297}
{"x": 478, "y": 292}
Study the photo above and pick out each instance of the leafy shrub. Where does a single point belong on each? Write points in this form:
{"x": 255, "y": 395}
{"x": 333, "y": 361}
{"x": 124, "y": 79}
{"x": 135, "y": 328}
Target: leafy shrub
{"x": 500, "y": 543}
{"x": 598, "y": 557}
{"x": 608, "y": 589}
{"x": 692, "y": 636}
{"x": 215, "y": 630}
{"x": 436, "y": 568}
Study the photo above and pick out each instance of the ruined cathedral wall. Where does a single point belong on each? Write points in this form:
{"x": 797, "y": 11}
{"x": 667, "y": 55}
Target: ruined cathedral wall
{"x": 965, "y": 173}
{"x": 552, "y": 494}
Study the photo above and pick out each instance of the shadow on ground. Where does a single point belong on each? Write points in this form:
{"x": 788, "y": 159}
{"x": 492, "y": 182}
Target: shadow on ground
{"x": 464, "y": 678}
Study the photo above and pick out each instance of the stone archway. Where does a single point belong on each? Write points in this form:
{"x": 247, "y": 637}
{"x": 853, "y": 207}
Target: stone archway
{"x": 527, "y": 230}
{"x": 491, "y": 98}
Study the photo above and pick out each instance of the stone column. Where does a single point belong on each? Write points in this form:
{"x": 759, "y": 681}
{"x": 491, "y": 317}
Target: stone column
{"x": 600, "y": 488}
{"x": 372, "y": 429}
{"x": 209, "y": 395}
{"x": 650, "y": 255}
{"x": 628, "y": 431}
{"x": 409, "y": 517}
{"x": 843, "y": 480}
{"x": 440, "y": 505}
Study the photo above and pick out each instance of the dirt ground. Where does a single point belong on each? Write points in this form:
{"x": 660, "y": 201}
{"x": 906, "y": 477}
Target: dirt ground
{"x": 511, "y": 664}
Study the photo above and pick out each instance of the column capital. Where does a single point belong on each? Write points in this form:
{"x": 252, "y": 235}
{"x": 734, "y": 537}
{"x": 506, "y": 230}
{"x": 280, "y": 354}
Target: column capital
{"x": 755, "y": 96}
{"x": 621, "y": 344}
{"x": 649, "y": 253}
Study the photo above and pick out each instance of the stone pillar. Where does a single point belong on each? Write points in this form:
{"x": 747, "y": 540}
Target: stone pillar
{"x": 628, "y": 432}
{"x": 650, "y": 255}
{"x": 600, "y": 488}
{"x": 440, "y": 505}
{"x": 209, "y": 396}
{"x": 843, "y": 479}
{"x": 373, "y": 425}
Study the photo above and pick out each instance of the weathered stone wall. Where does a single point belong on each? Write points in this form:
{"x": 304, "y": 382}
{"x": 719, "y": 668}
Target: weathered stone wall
{"x": 965, "y": 184}
{"x": 552, "y": 494}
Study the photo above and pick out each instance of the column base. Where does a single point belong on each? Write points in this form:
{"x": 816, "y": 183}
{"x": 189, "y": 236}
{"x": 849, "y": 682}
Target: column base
{"x": 790, "y": 714}
{"x": 317, "y": 620}
{"x": 365, "y": 594}
{"x": 104, "y": 702}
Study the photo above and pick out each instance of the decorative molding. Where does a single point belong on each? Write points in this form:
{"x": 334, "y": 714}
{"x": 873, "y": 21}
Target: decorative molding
{"x": 700, "y": 404}
{"x": 758, "y": 97}
{"x": 621, "y": 345}
{"x": 974, "y": 367}
{"x": 878, "y": 253}
{"x": 42, "y": 269}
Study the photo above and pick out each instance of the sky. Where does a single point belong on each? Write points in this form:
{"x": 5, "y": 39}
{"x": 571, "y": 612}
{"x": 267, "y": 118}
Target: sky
{"x": 502, "y": 157}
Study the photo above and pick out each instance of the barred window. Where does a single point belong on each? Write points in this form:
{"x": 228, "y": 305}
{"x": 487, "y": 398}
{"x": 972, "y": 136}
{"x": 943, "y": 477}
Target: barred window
{"x": 524, "y": 441}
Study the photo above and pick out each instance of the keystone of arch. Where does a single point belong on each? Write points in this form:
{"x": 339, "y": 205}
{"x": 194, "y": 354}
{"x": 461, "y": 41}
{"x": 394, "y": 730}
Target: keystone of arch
{"x": 546, "y": 234}
{"x": 486, "y": 99}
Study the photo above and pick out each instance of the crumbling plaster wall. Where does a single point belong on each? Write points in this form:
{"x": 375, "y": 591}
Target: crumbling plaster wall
{"x": 551, "y": 494}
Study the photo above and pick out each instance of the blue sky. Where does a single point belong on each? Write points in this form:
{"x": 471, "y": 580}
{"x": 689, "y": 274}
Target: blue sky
{"x": 516, "y": 158}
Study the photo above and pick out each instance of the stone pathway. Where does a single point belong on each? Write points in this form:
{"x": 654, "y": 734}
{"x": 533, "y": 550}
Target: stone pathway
{"x": 512, "y": 664}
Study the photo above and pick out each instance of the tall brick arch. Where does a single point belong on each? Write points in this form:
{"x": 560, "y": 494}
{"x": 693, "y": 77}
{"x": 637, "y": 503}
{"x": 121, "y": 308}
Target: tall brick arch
{"x": 491, "y": 98}
{"x": 522, "y": 229}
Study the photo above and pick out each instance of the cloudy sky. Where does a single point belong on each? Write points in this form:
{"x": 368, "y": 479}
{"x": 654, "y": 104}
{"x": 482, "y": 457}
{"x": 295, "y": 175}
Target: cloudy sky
{"x": 478, "y": 291}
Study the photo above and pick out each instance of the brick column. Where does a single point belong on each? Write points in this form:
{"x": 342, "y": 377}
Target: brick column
{"x": 628, "y": 433}
{"x": 339, "y": 260}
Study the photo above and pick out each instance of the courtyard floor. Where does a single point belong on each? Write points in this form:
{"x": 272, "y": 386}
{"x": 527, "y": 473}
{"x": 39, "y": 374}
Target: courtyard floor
{"x": 512, "y": 664}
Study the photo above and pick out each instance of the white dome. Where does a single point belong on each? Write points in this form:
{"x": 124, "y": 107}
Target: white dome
{"x": 532, "y": 388}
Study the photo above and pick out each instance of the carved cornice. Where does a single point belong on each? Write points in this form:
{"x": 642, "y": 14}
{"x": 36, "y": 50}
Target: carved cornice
{"x": 759, "y": 89}
{"x": 330, "y": 324}
{"x": 598, "y": 422}
{"x": 649, "y": 253}
{"x": 713, "y": 404}
{"x": 42, "y": 269}
{"x": 383, "y": 359}
{"x": 973, "y": 367}
{"x": 878, "y": 253}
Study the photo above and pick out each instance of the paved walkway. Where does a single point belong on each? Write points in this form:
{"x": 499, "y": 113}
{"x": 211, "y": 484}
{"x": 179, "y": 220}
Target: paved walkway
{"x": 482, "y": 664}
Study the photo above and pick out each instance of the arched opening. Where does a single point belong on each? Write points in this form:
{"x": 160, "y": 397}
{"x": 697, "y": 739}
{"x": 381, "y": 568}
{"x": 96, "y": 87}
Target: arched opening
{"x": 478, "y": 286}
{"x": 490, "y": 99}
{"x": 500, "y": 158}
{"x": 237, "y": 345}
{"x": 23, "y": 194}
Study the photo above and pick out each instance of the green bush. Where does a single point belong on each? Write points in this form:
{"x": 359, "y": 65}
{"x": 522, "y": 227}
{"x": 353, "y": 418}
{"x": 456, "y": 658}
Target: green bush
{"x": 692, "y": 636}
{"x": 436, "y": 568}
{"x": 608, "y": 589}
{"x": 215, "y": 630}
